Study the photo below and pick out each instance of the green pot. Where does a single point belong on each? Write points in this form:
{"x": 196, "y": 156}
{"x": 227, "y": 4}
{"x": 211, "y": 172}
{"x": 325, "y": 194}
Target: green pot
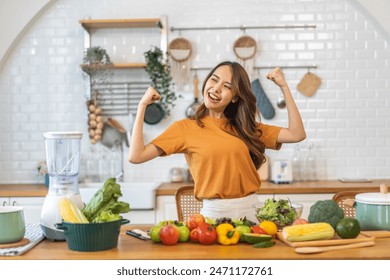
{"x": 373, "y": 211}
{"x": 93, "y": 236}
{"x": 12, "y": 225}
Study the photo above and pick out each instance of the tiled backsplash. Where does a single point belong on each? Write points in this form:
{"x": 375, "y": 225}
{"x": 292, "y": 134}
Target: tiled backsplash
{"x": 348, "y": 118}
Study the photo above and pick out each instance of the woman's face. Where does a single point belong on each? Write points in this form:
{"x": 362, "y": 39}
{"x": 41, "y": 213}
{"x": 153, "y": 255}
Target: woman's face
{"x": 218, "y": 91}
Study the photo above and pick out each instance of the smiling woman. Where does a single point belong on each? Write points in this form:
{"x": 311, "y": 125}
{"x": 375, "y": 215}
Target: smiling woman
{"x": 223, "y": 142}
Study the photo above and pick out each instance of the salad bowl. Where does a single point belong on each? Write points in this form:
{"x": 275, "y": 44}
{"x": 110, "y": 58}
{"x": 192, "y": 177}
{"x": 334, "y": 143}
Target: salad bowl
{"x": 282, "y": 212}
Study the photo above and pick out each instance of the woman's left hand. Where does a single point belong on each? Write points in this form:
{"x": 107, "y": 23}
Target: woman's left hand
{"x": 276, "y": 75}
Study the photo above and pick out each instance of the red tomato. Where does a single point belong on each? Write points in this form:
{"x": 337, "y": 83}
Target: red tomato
{"x": 194, "y": 235}
{"x": 169, "y": 235}
{"x": 206, "y": 234}
{"x": 195, "y": 220}
{"x": 258, "y": 229}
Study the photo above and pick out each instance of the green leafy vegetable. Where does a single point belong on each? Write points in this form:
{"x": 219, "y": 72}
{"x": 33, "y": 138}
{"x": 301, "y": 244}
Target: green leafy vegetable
{"x": 104, "y": 205}
{"x": 281, "y": 212}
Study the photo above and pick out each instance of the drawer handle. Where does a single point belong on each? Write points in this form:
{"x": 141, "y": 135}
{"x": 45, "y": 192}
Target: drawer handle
{"x": 14, "y": 203}
{"x": 4, "y": 203}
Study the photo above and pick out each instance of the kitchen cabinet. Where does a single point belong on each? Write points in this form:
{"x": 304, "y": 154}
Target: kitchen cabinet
{"x": 166, "y": 208}
{"x": 32, "y": 206}
{"x": 141, "y": 217}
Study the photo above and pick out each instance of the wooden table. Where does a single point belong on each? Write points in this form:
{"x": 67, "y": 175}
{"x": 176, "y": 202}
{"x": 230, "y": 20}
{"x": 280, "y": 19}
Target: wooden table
{"x": 130, "y": 248}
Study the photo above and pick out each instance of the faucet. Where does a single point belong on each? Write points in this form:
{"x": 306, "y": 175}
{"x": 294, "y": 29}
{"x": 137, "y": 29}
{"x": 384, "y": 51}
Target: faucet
{"x": 119, "y": 176}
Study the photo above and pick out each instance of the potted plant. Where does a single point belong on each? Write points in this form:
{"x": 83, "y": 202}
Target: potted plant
{"x": 43, "y": 171}
{"x": 160, "y": 75}
{"x": 97, "y": 64}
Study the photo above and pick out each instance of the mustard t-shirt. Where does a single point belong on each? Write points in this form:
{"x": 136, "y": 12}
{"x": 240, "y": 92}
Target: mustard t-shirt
{"x": 219, "y": 162}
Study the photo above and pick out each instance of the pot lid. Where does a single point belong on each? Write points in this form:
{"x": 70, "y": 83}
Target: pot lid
{"x": 373, "y": 198}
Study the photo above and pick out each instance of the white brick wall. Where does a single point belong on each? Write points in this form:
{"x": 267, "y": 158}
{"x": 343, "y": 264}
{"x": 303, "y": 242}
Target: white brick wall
{"x": 41, "y": 86}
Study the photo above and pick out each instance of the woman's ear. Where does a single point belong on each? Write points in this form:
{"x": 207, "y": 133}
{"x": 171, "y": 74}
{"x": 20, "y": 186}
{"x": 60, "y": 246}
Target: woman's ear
{"x": 235, "y": 99}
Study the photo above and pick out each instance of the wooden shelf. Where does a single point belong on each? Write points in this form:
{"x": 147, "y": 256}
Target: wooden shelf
{"x": 122, "y": 65}
{"x": 120, "y": 23}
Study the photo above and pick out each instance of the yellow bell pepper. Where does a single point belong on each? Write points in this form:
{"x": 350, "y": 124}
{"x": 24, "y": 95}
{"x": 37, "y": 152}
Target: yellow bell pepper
{"x": 227, "y": 235}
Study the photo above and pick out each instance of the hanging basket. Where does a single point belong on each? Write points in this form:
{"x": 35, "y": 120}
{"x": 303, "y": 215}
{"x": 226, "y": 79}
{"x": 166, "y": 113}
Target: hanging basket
{"x": 245, "y": 47}
{"x": 180, "y": 49}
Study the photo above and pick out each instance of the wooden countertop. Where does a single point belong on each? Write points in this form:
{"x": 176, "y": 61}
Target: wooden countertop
{"x": 130, "y": 248}
{"x": 326, "y": 186}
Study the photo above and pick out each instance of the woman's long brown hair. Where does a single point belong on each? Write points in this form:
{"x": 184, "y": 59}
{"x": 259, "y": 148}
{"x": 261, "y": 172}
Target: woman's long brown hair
{"x": 242, "y": 114}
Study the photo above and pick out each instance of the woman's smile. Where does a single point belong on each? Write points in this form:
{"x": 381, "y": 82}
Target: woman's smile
{"x": 213, "y": 97}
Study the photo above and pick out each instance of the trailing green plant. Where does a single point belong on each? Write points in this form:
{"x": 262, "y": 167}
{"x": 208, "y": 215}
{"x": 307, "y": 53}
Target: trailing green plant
{"x": 160, "y": 75}
{"x": 97, "y": 65}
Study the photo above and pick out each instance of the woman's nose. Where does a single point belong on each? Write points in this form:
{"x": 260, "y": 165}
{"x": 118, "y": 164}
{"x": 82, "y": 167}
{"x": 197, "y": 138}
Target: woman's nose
{"x": 218, "y": 87}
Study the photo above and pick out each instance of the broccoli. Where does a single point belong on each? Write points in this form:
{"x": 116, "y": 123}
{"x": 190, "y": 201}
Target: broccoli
{"x": 327, "y": 211}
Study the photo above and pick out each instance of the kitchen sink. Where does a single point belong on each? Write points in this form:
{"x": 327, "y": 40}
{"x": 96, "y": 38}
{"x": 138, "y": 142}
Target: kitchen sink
{"x": 140, "y": 196}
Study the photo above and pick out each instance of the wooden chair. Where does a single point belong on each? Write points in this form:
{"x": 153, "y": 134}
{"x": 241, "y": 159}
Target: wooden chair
{"x": 186, "y": 202}
{"x": 344, "y": 196}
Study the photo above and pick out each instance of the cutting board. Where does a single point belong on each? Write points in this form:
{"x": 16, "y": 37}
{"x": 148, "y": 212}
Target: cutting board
{"x": 363, "y": 237}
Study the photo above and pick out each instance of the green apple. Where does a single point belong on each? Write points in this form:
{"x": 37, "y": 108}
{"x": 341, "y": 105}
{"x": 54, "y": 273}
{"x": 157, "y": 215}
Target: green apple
{"x": 155, "y": 233}
{"x": 184, "y": 233}
{"x": 165, "y": 222}
{"x": 243, "y": 229}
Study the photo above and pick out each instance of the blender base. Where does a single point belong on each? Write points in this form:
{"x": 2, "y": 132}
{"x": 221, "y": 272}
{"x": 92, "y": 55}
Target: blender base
{"x": 53, "y": 235}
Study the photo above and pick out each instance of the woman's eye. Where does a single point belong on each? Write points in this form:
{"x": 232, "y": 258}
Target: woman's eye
{"x": 228, "y": 86}
{"x": 214, "y": 79}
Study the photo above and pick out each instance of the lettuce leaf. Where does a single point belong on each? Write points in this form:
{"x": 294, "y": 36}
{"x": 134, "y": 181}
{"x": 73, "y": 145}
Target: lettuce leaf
{"x": 104, "y": 205}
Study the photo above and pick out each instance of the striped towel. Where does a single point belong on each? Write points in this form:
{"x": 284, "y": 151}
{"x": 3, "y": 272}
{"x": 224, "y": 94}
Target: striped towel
{"x": 33, "y": 233}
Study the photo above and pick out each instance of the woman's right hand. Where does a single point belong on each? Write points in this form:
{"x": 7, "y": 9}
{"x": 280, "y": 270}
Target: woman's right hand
{"x": 149, "y": 96}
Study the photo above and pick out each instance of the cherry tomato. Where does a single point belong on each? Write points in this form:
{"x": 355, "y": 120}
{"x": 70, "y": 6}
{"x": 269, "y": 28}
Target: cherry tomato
{"x": 258, "y": 229}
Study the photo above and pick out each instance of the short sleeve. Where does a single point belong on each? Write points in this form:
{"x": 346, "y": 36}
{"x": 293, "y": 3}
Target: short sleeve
{"x": 172, "y": 140}
{"x": 270, "y": 135}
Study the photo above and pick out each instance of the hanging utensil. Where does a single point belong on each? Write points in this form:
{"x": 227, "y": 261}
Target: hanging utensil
{"x": 281, "y": 103}
{"x": 114, "y": 123}
{"x": 154, "y": 113}
{"x": 110, "y": 136}
{"x": 191, "y": 110}
{"x": 309, "y": 84}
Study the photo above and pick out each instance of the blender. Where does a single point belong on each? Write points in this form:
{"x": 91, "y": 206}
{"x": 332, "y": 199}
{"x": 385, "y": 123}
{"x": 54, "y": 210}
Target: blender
{"x": 63, "y": 162}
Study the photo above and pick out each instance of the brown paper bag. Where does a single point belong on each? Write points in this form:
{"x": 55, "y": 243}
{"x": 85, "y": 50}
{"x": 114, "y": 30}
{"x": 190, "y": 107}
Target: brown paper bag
{"x": 309, "y": 84}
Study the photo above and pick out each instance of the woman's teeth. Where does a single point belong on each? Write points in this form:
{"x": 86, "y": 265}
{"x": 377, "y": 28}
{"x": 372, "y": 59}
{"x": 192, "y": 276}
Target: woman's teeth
{"x": 214, "y": 97}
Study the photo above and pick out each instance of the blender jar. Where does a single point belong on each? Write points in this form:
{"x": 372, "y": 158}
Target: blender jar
{"x": 63, "y": 161}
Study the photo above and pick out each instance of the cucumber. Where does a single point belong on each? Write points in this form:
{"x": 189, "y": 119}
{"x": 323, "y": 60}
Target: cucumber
{"x": 264, "y": 244}
{"x": 254, "y": 238}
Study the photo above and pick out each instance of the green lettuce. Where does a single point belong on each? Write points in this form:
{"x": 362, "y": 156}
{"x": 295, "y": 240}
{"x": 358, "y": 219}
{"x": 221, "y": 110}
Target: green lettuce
{"x": 104, "y": 205}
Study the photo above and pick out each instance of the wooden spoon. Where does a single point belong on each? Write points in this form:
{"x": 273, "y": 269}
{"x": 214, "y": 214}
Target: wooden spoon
{"x": 311, "y": 250}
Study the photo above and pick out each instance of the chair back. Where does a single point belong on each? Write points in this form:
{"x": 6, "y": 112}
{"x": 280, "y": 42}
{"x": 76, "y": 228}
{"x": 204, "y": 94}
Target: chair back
{"x": 342, "y": 198}
{"x": 186, "y": 203}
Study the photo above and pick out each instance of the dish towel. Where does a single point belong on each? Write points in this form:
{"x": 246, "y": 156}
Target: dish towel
{"x": 33, "y": 233}
{"x": 263, "y": 103}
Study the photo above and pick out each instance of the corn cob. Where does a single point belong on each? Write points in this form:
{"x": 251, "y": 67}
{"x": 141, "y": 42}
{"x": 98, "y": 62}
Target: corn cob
{"x": 70, "y": 212}
{"x": 307, "y": 232}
